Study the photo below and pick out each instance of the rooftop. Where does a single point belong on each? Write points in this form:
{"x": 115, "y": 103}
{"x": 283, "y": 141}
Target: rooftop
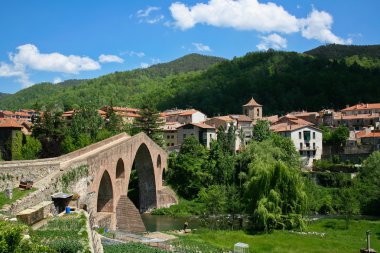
{"x": 362, "y": 106}
{"x": 252, "y": 102}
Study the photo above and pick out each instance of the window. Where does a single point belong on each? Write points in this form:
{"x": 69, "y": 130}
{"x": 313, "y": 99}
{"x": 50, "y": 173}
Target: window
{"x": 184, "y": 136}
{"x": 210, "y": 136}
{"x": 313, "y": 135}
{"x": 301, "y": 145}
{"x": 172, "y": 136}
{"x": 308, "y": 145}
{"x": 313, "y": 145}
{"x": 306, "y": 136}
{"x": 300, "y": 135}
{"x": 258, "y": 112}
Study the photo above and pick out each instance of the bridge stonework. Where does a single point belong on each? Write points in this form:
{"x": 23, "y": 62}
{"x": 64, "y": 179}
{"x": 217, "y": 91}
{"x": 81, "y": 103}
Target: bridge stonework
{"x": 105, "y": 189}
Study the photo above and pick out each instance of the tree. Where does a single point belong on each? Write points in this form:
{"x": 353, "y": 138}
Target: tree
{"x": 349, "y": 203}
{"x": 68, "y": 145}
{"x": 274, "y": 189}
{"x": 186, "y": 173}
{"x": 261, "y": 130}
{"x": 149, "y": 123}
{"x": 368, "y": 182}
{"x": 114, "y": 122}
{"x": 86, "y": 121}
{"x": 31, "y": 149}
{"x": 15, "y": 146}
{"x": 50, "y": 130}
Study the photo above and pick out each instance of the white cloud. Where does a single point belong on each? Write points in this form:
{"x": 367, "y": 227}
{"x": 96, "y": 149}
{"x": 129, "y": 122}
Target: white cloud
{"x": 317, "y": 26}
{"x": 57, "y": 80}
{"x": 237, "y": 14}
{"x": 147, "y": 16}
{"x": 200, "y": 47}
{"x": 251, "y": 15}
{"x": 273, "y": 40}
{"x": 144, "y": 65}
{"x": 133, "y": 53}
{"x": 29, "y": 56}
{"x": 147, "y": 11}
{"x": 110, "y": 58}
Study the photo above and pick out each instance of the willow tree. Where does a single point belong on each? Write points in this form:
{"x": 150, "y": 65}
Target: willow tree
{"x": 274, "y": 189}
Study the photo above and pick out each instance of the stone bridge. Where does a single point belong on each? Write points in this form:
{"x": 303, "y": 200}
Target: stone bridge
{"x": 104, "y": 190}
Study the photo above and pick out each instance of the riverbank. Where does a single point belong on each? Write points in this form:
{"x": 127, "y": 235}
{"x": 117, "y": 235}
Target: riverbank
{"x": 330, "y": 237}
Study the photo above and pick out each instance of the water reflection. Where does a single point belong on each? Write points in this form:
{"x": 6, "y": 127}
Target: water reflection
{"x": 165, "y": 223}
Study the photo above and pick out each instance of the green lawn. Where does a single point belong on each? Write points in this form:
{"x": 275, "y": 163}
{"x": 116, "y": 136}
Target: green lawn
{"x": 17, "y": 194}
{"x": 337, "y": 239}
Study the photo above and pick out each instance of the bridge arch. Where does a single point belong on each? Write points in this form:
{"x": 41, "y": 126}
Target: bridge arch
{"x": 144, "y": 167}
{"x": 105, "y": 194}
{"x": 120, "y": 170}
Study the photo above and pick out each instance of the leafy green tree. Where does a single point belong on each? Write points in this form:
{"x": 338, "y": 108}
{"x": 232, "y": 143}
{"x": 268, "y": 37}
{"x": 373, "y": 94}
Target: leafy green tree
{"x": 339, "y": 136}
{"x": 261, "y": 130}
{"x": 186, "y": 173}
{"x": 349, "y": 203}
{"x": 15, "y": 146}
{"x": 114, "y": 122}
{"x": 83, "y": 140}
{"x": 274, "y": 189}
{"x": 149, "y": 123}
{"x": 50, "y": 130}
{"x": 67, "y": 145}
{"x": 86, "y": 121}
{"x": 31, "y": 149}
{"x": 368, "y": 182}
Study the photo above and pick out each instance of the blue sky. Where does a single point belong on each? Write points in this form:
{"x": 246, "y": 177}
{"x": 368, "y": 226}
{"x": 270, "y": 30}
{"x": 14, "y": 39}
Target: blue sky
{"x": 53, "y": 41}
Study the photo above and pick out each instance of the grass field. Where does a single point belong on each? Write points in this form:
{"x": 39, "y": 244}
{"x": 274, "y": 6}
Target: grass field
{"x": 17, "y": 194}
{"x": 337, "y": 239}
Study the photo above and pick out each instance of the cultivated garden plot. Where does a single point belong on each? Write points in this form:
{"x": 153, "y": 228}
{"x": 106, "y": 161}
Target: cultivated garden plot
{"x": 66, "y": 234}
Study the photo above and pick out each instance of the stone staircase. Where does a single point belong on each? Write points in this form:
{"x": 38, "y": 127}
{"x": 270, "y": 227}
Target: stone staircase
{"x": 128, "y": 216}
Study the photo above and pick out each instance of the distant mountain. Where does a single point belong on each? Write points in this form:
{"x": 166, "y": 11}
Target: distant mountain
{"x": 123, "y": 88}
{"x": 2, "y": 95}
{"x": 281, "y": 81}
{"x": 187, "y": 63}
{"x": 334, "y": 51}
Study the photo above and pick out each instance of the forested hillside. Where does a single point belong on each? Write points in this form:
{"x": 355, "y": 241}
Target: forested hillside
{"x": 3, "y": 95}
{"x": 281, "y": 81}
{"x": 335, "y": 51}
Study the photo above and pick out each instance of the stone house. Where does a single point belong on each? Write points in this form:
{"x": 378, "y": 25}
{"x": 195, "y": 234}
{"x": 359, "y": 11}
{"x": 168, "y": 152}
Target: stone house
{"x": 202, "y": 132}
{"x": 184, "y": 116}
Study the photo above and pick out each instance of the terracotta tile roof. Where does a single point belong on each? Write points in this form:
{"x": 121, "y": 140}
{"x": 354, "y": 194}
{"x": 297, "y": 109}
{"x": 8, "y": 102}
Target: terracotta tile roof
{"x": 9, "y": 113}
{"x": 224, "y": 118}
{"x": 362, "y": 106}
{"x": 252, "y": 102}
{"x": 188, "y": 112}
{"x": 271, "y": 119}
{"x": 290, "y": 119}
{"x": 9, "y": 123}
{"x": 358, "y": 116}
{"x": 202, "y": 125}
{"x": 284, "y": 127}
{"x": 375, "y": 134}
{"x": 362, "y": 133}
{"x": 22, "y": 114}
{"x": 242, "y": 118}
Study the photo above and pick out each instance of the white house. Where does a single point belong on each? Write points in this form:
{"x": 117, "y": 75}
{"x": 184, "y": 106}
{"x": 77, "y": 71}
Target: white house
{"x": 306, "y": 138}
{"x": 184, "y": 116}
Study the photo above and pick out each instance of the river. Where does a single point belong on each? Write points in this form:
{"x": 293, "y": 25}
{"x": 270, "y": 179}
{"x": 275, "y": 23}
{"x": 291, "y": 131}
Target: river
{"x": 165, "y": 223}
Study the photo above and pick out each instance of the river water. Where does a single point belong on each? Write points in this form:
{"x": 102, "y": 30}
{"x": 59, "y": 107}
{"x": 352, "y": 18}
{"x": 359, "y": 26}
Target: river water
{"x": 165, "y": 223}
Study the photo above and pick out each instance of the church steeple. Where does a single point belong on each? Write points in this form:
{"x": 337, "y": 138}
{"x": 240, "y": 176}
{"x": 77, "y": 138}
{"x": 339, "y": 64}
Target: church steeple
{"x": 253, "y": 110}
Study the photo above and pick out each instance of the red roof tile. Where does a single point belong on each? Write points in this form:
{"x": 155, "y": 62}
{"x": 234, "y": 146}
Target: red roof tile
{"x": 9, "y": 123}
{"x": 362, "y": 107}
{"x": 252, "y": 102}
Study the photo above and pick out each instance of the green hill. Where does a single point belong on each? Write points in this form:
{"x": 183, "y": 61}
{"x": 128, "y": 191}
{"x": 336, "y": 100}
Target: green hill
{"x": 281, "y": 81}
{"x": 3, "y": 95}
{"x": 335, "y": 51}
{"x": 123, "y": 88}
